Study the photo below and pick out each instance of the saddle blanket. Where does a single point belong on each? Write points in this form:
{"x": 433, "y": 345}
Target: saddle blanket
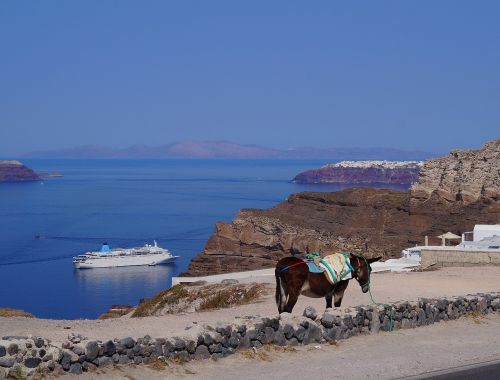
{"x": 337, "y": 267}
{"x": 313, "y": 268}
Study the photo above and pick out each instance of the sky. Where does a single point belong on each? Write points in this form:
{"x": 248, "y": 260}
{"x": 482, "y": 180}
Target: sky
{"x": 419, "y": 75}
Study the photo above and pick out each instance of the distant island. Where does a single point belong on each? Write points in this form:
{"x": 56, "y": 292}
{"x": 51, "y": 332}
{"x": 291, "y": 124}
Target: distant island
{"x": 403, "y": 173}
{"x": 15, "y": 171}
{"x": 189, "y": 149}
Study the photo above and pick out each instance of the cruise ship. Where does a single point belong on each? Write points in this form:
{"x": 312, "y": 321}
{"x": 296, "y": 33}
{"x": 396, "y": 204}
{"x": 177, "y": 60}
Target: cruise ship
{"x": 123, "y": 257}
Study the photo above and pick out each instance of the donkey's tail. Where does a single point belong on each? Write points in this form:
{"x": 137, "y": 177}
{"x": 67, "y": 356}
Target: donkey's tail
{"x": 280, "y": 291}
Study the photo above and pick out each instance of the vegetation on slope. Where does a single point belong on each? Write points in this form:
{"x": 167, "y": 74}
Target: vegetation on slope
{"x": 185, "y": 298}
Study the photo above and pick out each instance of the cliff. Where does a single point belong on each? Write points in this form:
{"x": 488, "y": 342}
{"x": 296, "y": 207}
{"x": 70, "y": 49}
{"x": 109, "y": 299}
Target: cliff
{"x": 462, "y": 178}
{"x": 402, "y": 173}
{"x": 366, "y": 221}
{"x": 15, "y": 171}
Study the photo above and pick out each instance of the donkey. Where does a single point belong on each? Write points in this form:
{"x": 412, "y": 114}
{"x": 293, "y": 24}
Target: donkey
{"x": 293, "y": 278}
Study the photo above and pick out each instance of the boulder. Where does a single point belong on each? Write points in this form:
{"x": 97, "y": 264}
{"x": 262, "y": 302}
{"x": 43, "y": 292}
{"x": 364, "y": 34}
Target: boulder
{"x": 7, "y": 361}
{"x": 76, "y": 368}
{"x": 12, "y": 349}
{"x": 91, "y": 350}
{"x": 109, "y": 348}
{"x": 310, "y": 312}
{"x": 127, "y": 342}
{"x": 39, "y": 342}
{"x": 327, "y": 320}
{"x": 79, "y": 350}
{"x": 105, "y": 361}
{"x": 32, "y": 362}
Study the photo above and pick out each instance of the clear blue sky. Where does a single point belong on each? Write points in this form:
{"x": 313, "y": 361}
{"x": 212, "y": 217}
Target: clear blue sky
{"x": 411, "y": 74}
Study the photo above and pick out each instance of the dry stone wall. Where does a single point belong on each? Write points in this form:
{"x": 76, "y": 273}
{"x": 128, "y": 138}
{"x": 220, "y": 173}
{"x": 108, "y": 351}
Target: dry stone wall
{"x": 35, "y": 355}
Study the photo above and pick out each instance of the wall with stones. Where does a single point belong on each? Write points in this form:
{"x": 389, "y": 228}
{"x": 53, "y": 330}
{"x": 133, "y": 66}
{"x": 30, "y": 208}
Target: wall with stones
{"x": 32, "y": 355}
{"x": 439, "y": 258}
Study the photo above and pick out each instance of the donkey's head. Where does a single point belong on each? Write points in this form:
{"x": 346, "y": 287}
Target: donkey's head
{"x": 361, "y": 270}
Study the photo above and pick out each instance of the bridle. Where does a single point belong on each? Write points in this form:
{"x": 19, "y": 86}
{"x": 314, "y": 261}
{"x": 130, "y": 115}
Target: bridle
{"x": 355, "y": 272}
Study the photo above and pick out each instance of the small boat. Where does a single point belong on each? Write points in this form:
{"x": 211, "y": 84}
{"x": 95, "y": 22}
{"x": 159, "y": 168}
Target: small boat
{"x": 123, "y": 257}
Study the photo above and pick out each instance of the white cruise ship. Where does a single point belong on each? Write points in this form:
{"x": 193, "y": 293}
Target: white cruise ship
{"x": 123, "y": 257}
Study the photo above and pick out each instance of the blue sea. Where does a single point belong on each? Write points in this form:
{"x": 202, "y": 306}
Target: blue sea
{"x": 125, "y": 203}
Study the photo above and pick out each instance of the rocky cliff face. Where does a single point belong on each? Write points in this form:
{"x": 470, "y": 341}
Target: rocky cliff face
{"x": 363, "y": 172}
{"x": 14, "y": 171}
{"x": 370, "y": 222}
{"x": 464, "y": 177}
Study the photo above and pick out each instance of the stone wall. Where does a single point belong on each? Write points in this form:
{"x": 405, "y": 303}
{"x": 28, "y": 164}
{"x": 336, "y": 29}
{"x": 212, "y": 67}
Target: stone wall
{"x": 38, "y": 356}
{"x": 441, "y": 257}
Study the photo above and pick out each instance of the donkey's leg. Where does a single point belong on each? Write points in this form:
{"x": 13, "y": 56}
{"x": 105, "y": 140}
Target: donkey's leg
{"x": 339, "y": 292}
{"x": 294, "y": 287}
{"x": 293, "y": 296}
{"x": 328, "y": 299}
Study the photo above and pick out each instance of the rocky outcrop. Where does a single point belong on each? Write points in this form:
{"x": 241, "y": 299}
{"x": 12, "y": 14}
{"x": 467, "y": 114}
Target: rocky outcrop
{"x": 370, "y": 222}
{"x": 15, "y": 171}
{"x": 464, "y": 177}
{"x": 360, "y": 220}
{"x": 403, "y": 173}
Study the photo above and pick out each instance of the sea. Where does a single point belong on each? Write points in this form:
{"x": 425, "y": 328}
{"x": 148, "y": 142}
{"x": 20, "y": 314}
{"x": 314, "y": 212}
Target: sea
{"x": 125, "y": 203}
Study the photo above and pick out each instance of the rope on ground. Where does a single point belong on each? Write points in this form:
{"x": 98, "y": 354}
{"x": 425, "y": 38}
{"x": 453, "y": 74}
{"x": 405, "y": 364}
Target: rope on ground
{"x": 391, "y": 315}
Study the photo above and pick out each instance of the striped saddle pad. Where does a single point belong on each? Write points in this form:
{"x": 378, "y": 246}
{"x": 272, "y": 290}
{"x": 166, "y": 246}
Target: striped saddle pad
{"x": 337, "y": 267}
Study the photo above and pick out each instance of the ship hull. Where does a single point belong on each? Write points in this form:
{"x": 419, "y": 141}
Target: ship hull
{"x": 124, "y": 261}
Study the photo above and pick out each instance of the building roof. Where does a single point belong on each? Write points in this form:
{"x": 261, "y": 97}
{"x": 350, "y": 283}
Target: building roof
{"x": 449, "y": 235}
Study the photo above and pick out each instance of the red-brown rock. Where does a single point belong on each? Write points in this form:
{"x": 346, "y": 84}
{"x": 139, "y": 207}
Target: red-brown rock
{"x": 371, "y": 222}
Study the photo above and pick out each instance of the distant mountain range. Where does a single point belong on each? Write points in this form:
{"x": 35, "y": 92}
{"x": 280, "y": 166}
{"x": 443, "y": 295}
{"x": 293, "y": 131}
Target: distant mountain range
{"x": 189, "y": 149}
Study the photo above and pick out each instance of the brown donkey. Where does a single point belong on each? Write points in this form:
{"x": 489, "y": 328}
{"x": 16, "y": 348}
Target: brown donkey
{"x": 293, "y": 278}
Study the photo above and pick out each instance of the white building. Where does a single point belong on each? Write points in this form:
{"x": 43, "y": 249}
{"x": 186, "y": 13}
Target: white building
{"x": 484, "y": 231}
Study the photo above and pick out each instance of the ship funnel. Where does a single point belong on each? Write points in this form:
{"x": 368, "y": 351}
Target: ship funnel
{"x": 105, "y": 248}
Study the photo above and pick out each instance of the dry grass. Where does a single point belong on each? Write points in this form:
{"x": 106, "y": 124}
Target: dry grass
{"x": 178, "y": 359}
{"x": 233, "y": 296}
{"x": 476, "y": 317}
{"x": 157, "y": 365}
{"x": 256, "y": 355}
{"x": 16, "y": 373}
{"x": 40, "y": 373}
{"x": 7, "y": 312}
{"x": 184, "y": 298}
{"x": 168, "y": 296}
{"x": 266, "y": 352}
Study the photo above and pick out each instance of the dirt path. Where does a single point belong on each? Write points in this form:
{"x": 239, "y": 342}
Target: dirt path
{"x": 382, "y": 356}
{"x": 387, "y": 287}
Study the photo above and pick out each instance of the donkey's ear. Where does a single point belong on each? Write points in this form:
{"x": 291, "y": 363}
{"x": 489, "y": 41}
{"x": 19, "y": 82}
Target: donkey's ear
{"x": 373, "y": 259}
